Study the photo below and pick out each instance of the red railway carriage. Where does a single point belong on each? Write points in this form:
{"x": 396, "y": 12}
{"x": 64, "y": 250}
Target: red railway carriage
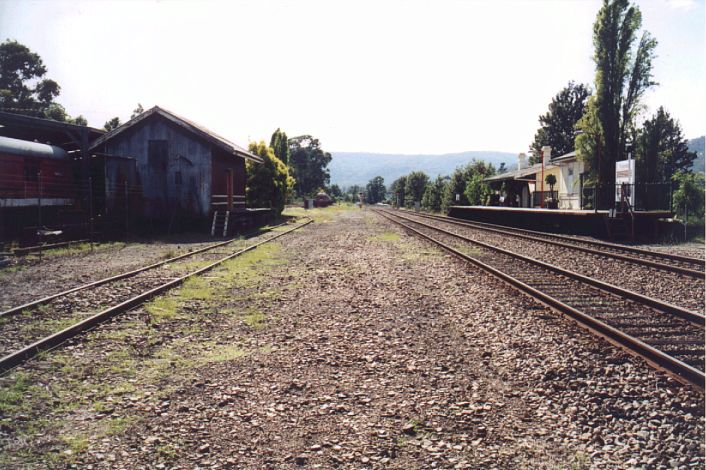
{"x": 30, "y": 171}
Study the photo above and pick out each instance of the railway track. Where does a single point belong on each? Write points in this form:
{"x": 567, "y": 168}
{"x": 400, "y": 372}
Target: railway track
{"x": 687, "y": 266}
{"x": 669, "y": 337}
{"x": 29, "y": 329}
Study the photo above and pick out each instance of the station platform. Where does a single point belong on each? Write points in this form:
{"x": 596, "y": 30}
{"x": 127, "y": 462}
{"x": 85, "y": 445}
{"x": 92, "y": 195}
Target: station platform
{"x": 644, "y": 225}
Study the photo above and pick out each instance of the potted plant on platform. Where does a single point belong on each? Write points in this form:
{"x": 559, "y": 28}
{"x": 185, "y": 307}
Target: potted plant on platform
{"x": 551, "y": 202}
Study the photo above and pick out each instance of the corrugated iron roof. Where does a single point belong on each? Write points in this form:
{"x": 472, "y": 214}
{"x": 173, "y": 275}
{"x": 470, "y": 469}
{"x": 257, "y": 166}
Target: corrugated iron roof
{"x": 515, "y": 174}
{"x": 187, "y": 124}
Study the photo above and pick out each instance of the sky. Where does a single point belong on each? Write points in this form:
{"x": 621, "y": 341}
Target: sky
{"x": 385, "y": 76}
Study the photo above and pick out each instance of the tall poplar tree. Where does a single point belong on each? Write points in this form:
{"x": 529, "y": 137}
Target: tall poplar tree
{"x": 279, "y": 144}
{"x": 623, "y": 74}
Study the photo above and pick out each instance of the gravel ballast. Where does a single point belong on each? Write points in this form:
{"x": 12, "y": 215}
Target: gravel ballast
{"x": 354, "y": 346}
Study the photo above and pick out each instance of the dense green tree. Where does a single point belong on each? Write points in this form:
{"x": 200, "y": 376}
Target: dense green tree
{"x": 353, "y": 192}
{"x": 689, "y": 197}
{"x": 80, "y": 120}
{"x": 375, "y": 190}
{"x": 661, "y": 150}
{"x": 415, "y": 185}
{"x": 398, "y": 190}
{"x": 23, "y": 88}
{"x": 308, "y": 162}
{"x": 280, "y": 144}
{"x": 268, "y": 183}
{"x": 557, "y": 124}
{"x": 455, "y": 190}
{"x": 112, "y": 124}
{"x": 431, "y": 200}
{"x": 335, "y": 192}
{"x": 623, "y": 74}
{"x": 589, "y": 140}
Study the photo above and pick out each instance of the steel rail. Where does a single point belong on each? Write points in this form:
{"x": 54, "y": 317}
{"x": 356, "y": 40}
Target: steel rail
{"x": 49, "y": 298}
{"x": 686, "y": 314}
{"x": 18, "y": 357}
{"x": 571, "y": 243}
{"x": 652, "y": 355}
{"x": 30, "y": 249}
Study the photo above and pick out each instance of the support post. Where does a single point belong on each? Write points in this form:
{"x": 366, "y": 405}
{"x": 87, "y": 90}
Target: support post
{"x": 90, "y": 210}
{"x": 127, "y": 207}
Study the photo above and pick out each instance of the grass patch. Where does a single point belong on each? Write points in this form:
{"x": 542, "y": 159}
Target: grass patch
{"x": 255, "y": 319}
{"x": 222, "y": 353}
{"x": 11, "y": 394}
{"x": 76, "y": 444}
{"x": 386, "y": 237}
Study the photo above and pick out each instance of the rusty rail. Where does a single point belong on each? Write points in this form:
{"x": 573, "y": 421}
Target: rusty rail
{"x": 632, "y": 344}
{"x": 572, "y": 243}
{"x": 18, "y": 357}
{"x": 49, "y": 298}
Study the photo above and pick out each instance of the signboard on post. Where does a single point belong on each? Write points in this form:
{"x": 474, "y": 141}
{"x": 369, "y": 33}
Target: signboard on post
{"x": 624, "y": 177}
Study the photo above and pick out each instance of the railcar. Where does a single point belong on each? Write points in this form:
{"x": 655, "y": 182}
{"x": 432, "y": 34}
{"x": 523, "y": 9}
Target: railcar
{"x": 32, "y": 173}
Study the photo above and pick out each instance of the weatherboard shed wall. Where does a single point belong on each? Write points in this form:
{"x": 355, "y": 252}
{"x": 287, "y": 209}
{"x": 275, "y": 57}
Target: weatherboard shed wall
{"x": 174, "y": 167}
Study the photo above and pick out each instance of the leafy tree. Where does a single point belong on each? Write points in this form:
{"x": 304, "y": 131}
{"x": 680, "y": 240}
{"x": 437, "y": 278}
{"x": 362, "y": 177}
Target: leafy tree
{"x": 20, "y": 68}
{"x": 375, "y": 190}
{"x": 353, "y": 191}
{"x": 137, "y": 111}
{"x": 557, "y": 125}
{"x": 268, "y": 183}
{"x": 280, "y": 144}
{"x": 661, "y": 150}
{"x": 308, "y": 162}
{"x": 458, "y": 183}
{"x": 477, "y": 191}
{"x": 502, "y": 168}
{"x": 112, "y": 124}
{"x": 335, "y": 192}
{"x": 23, "y": 88}
{"x": 80, "y": 120}
{"x": 415, "y": 185}
{"x": 431, "y": 200}
{"x": 623, "y": 74}
{"x": 398, "y": 190}
{"x": 589, "y": 139}
{"x": 689, "y": 197}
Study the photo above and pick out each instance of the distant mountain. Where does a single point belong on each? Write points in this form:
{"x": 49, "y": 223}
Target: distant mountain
{"x": 697, "y": 145}
{"x": 349, "y": 168}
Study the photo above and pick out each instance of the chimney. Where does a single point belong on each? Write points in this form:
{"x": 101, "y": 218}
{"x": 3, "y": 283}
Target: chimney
{"x": 521, "y": 161}
{"x": 546, "y": 154}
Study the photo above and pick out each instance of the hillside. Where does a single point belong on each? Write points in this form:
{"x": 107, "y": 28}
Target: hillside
{"x": 697, "y": 145}
{"x": 349, "y": 168}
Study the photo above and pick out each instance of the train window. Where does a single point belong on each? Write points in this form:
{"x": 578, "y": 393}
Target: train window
{"x": 177, "y": 177}
{"x": 31, "y": 171}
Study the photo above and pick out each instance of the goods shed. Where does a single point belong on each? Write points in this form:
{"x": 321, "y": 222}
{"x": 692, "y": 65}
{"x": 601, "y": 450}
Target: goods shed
{"x": 183, "y": 170}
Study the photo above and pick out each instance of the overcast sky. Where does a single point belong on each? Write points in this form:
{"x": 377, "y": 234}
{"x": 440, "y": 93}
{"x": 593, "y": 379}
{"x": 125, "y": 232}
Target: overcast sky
{"x": 378, "y": 76}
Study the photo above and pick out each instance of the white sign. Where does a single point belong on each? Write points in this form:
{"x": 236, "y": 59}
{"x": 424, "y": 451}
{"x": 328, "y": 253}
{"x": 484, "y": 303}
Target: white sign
{"x": 625, "y": 175}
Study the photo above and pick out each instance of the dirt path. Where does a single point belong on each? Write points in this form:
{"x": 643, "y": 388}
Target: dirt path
{"x": 350, "y": 345}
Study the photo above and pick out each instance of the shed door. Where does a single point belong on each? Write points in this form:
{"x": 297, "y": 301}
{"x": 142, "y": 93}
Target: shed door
{"x": 524, "y": 198}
